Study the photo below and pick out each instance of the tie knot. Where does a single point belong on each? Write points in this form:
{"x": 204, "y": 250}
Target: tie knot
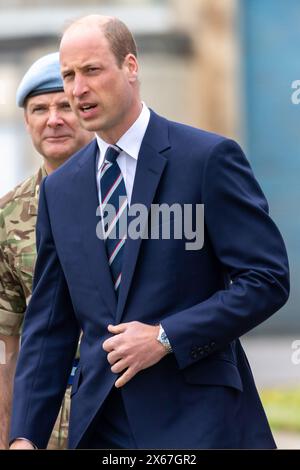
{"x": 112, "y": 154}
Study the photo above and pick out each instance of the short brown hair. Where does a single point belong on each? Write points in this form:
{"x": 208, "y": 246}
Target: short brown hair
{"x": 120, "y": 39}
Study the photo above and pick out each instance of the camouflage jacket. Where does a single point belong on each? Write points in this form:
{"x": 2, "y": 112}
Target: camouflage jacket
{"x": 18, "y": 213}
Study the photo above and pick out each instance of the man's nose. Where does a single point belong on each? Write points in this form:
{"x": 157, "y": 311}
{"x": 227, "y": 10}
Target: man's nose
{"x": 54, "y": 118}
{"x": 79, "y": 86}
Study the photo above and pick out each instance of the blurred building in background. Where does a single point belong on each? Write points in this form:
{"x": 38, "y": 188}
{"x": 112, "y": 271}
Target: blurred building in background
{"x": 225, "y": 66}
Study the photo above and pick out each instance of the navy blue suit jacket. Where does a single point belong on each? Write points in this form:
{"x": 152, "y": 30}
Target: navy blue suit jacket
{"x": 203, "y": 395}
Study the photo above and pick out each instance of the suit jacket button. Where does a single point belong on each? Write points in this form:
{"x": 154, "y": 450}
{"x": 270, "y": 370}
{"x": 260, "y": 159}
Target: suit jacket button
{"x": 194, "y": 354}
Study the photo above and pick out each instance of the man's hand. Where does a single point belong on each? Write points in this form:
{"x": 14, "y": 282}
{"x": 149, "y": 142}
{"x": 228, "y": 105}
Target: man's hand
{"x": 21, "y": 444}
{"x": 133, "y": 347}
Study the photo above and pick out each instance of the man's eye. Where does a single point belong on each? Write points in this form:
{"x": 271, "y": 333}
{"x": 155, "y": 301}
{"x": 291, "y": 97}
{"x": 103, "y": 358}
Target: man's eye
{"x": 38, "y": 109}
{"x": 67, "y": 75}
{"x": 65, "y": 106}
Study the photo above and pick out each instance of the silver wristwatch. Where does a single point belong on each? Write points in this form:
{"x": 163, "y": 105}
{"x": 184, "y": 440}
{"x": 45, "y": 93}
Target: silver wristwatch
{"x": 163, "y": 339}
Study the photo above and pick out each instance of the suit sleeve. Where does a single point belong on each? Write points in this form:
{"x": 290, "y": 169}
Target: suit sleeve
{"x": 49, "y": 342}
{"x": 251, "y": 250}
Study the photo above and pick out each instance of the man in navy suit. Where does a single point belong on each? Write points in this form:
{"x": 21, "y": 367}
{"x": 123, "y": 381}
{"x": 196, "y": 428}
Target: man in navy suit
{"x": 161, "y": 364}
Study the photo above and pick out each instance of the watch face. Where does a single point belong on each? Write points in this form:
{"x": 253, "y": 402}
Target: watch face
{"x": 163, "y": 336}
{"x": 164, "y": 340}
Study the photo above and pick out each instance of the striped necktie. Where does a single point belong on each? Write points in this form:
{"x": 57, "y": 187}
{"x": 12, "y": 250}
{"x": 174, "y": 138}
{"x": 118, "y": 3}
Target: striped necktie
{"x": 113, "y": 192}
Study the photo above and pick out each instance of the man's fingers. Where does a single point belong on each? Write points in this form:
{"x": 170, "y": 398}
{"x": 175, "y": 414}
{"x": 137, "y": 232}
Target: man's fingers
{"x": 125, "y": 377}
{"x": 109, "y": 344}
{"x": 116, "y": 329}
{"x": 113, "y": 357}
{"x": 21, "y": 444}
{"x": 119, "y": 366}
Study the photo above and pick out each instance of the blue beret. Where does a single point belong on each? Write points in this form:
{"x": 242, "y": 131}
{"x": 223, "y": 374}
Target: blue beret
{"x": 42, "y": 77}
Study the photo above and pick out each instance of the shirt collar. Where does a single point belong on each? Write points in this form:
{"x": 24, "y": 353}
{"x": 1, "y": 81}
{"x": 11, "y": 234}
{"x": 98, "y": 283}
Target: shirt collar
{"x": 131, "y": 141}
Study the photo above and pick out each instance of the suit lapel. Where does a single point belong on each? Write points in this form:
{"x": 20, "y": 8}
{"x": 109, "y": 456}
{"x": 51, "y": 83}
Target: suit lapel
{"x": 150, "y": 167}
{"x": 87, "y": 202}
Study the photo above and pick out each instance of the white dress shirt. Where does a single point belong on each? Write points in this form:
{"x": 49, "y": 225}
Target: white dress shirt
{"x": 130, "y": 143}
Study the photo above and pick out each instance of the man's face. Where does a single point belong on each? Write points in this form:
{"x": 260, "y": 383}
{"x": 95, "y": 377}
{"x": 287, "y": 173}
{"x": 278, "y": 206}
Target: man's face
{"x": 102, "y": 94}
{"x": 55, "y": 130}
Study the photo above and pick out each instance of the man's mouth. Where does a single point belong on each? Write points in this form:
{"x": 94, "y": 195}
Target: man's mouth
{"x": 85, "y": 108}
{"x": 57, "y": 137}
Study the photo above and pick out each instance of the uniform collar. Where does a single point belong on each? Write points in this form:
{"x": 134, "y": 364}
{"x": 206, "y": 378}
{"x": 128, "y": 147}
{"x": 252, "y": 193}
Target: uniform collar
{"x": 35, "y": 190}
{"x": 36, "y": 181}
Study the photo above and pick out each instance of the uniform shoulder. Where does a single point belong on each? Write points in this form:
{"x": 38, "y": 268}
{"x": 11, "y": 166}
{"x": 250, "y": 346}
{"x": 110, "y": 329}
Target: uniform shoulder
{"x": 22, "y": 191}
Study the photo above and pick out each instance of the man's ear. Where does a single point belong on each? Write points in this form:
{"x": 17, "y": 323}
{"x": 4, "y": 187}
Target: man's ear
{"x": 26, "y": 118}
{"x": 132, "y": 66}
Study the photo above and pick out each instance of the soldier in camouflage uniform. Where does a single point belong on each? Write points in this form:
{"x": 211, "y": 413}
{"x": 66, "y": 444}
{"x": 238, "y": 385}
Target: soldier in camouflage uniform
{"x": 56, "y": 135}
